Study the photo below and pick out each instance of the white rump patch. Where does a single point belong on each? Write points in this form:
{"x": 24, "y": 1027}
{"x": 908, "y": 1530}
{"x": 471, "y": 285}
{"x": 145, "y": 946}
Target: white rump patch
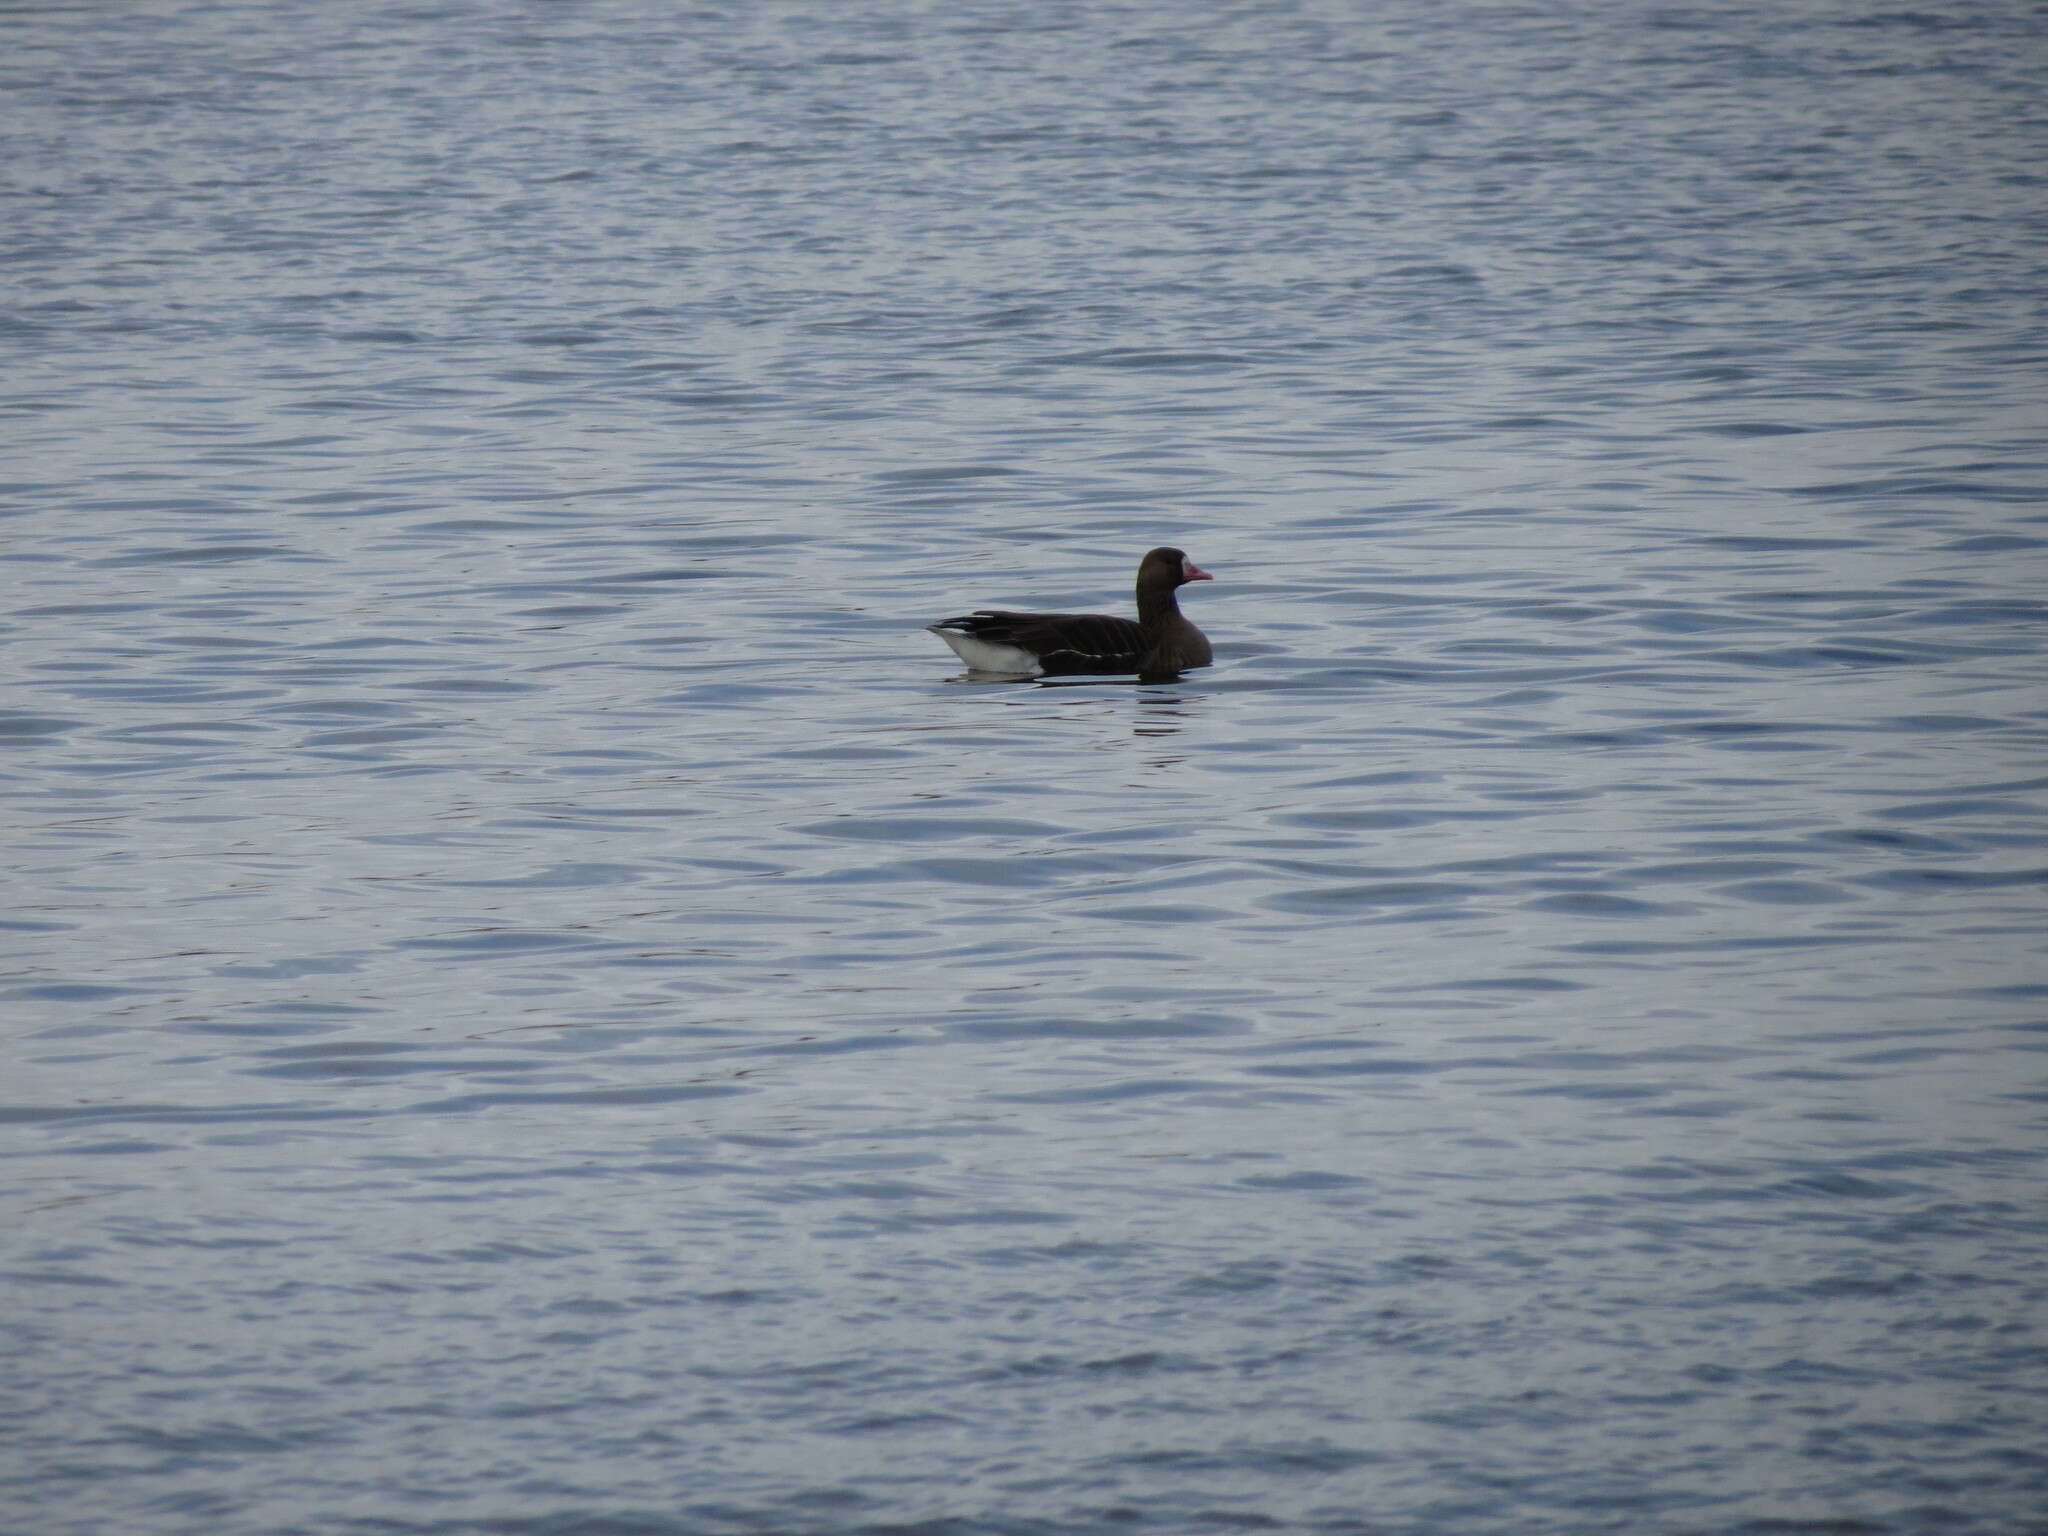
{"x": 986, "y": 656}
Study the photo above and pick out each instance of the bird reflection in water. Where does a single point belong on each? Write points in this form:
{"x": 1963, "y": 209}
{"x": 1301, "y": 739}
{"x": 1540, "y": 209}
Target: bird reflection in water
{"x": 1162, "y": 718}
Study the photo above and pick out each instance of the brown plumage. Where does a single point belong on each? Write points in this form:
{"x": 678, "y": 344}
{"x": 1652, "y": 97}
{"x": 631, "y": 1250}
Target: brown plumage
{"x": 1163, "y": 640}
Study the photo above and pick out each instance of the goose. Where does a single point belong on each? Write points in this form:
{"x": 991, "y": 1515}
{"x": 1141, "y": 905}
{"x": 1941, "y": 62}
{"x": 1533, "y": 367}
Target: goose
{"x": 1161, "y": 642}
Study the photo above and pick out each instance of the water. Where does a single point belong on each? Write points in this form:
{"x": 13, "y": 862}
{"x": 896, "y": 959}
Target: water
{"x": 538, "y": 1001}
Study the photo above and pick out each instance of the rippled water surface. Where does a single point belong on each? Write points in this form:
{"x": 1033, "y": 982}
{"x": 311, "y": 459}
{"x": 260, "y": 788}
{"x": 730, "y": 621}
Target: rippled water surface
{"x": 539, "y": 1002}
